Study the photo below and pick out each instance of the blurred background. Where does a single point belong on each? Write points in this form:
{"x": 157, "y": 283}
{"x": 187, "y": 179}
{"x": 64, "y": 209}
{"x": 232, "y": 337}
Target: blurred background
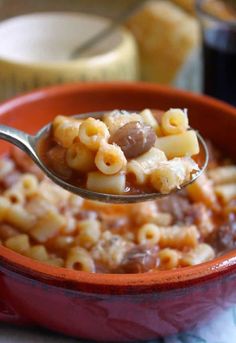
{"x": 155, "y": 41}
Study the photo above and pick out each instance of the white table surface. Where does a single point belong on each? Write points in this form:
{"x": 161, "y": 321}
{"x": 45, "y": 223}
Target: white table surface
{"x": 221, "y": 330}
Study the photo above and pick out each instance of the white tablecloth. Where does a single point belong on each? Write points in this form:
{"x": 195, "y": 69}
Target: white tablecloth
{"x": 221, "y": 330}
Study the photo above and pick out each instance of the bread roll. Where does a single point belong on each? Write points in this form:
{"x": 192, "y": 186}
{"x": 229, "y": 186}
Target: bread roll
{"x": 187, "y": 5}
{"x": 166, "y": 35}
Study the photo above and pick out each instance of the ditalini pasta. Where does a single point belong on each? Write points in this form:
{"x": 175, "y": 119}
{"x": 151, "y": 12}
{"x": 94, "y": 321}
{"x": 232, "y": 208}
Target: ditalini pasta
{"x": 111, "y": 184}
{"x": 174, "y": 121}
{"x": 172, "y": 174}
{"x": 141, "y": 167}
{"x": 179, "y": 145}
{"x": 80, "y": 158}
{"x": 65, "y": 130}
{"x": 42, "y": 221}
{"x": 140, "y": 152}
{"x": 92, "y": 133}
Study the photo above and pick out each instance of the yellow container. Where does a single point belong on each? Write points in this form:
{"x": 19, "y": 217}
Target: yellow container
{"x": 35, "y": 52}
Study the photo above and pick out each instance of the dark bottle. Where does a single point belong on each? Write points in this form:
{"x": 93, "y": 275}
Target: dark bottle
{"x": 219, "y": 49}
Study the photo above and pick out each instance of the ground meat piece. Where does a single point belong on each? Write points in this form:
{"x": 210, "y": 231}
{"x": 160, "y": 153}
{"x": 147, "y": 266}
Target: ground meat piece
{"x": 101, "y": 269}
{"x": 110, "y": 250}
{"x": 139, "y": 259}
{"x": 177, "y": 205}
{"x": 224, "y": 239}
{"x": 84, "y": 215}
{"x": 60, "y": 245}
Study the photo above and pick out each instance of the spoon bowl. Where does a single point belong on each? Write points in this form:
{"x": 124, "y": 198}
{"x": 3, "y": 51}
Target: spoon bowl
{"x": 30, "y": 144}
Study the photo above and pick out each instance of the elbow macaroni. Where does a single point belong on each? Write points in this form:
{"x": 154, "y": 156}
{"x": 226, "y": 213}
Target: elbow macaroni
{"x": 19, "y": 243}
{"x": 148, "y": 234}
{"x": 48, "y": 224}
{"x": 202, "y": 191}
{"x": 18, "y": 216}
{"x": 169, "y": 258}
{"x": 29, "y": 184}
{"x": 149, "y": 119}
{"x": 37, "y": 252}
{"x": 92, "y": 132}
{"x": 116, "y": 119}
{"x": 80, "y": 158}
{"x": 178, "y": 236}
{"x": 174, "y": 121}
{"x": 142, "y": 166}
{"x": 89, "y": 232}
{"x": 79, "y": 259}
{"x": 226, "y": 192}
{"x": 110, "y": 159}
{"x": 15, "y": 195}
{"x": 122, "y": 142}
{"x": 221, "y": 175}
{"x": 201, "y": 253}
{"x": 65, "y": 130}
{"x": 60, "y": 229}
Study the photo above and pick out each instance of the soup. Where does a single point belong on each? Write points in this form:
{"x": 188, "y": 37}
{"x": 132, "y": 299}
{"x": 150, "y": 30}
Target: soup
{"x": 44, "y": 222}
{"x": 123, "y": 152}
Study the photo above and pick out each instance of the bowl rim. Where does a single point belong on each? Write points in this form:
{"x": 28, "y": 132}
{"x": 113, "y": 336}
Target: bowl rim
{"x": 115, "y": 283}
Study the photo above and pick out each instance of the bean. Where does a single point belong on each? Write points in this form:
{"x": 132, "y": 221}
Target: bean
{"x": 134, "y": 139}
{"x": 139, "y": 259}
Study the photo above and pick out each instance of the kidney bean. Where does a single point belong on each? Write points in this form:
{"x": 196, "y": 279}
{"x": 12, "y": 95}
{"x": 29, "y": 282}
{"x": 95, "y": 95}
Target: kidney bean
{"x": 134, "y": 139}
{"x": 224, "y": 239}
{"x": 139, "y": 259}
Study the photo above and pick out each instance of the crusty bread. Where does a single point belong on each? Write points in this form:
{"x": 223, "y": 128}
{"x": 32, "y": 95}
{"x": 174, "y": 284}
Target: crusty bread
{"x": 219, "y": 8}
{"x": 166, "y": 35}
{"x": 187, "y": 5}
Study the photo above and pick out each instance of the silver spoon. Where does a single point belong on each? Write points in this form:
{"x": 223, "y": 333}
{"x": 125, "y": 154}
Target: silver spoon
{"x": 29, "y": 144}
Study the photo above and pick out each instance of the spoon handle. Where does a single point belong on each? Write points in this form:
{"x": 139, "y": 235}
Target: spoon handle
{"x": 17, "y": 137}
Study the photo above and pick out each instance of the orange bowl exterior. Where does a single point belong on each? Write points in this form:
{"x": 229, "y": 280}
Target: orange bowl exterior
{"x": 115, "y": 307}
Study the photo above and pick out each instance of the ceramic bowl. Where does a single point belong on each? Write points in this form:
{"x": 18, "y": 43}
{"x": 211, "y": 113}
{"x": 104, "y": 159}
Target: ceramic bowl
{"x": 107, "y": 307}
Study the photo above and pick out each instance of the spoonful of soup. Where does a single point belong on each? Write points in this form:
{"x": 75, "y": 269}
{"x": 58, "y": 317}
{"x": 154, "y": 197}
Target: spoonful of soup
{"x": 118, "y": 156}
